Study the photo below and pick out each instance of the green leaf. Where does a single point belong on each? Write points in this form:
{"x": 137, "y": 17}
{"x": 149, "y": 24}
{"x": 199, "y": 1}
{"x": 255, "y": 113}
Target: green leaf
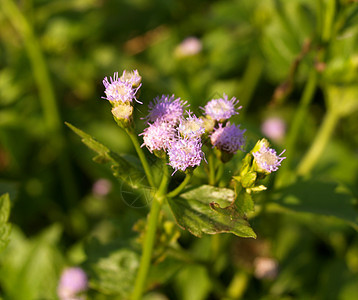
{"x": 5, "y": 227}
{"x": 121, "y": 167}
{"x": 33, "y": 272}
{"x": 192, "y": 212}
{"x": 318, "y": 197}
{"x": 112, "y": 267}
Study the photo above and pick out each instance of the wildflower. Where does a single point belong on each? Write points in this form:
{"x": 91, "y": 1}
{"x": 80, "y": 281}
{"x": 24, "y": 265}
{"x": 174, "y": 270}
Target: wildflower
{"x": 189, "y": 47}
{"x": 132, "y": 77}
{"x": 185, "y": 152}
{"x": 229, "y": 138}
{"x": 72, "y": 283}
{"x": 118, "y": 90}
{"x": 166, "y": 108}
{"x": 266, "y": 159}
{"x": 274, "y": 128}
{"x": 221, "y": 109}
{"x": 191, "y": 126}
{"x": 158, "y": 135}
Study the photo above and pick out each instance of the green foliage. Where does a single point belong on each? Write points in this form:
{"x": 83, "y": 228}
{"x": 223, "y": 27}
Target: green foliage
{"x": 30, "y": 267}
{"x": 121, "y": 167}
{"x": 5, "y": 227}
{"x": 193, "y": 212}
{"x": 321, "y": 198}
{"x": 51, "y": 71}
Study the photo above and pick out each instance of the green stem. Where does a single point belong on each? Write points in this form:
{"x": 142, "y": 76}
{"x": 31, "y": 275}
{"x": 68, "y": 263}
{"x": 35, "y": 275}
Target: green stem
{"x": 178, "y": 189}
{"x": 149, "y": 238}
{"x": 250, "y": 80}
{"x": 297, "y": 124}
{"x": 322, "y": 138}
{"x": 220, "y": 172}
{"x": 39, "y": 67}
{"x": 328, "y": 20}
{"x": 142, "y": 157}
{"x": 211, "y": 163}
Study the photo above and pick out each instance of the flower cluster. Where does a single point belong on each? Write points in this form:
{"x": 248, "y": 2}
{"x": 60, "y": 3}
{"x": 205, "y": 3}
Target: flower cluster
{"x": 172, "y": 133}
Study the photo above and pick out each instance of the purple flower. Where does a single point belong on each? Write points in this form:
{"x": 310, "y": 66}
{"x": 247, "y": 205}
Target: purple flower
{"x": 73, "y": 281}
{"x": 267, "y": 160}
{"x": 222, "y": 108}
{"x": 274, "y": 128}
{"x": 184, "y": 153}
{"x": 158, "y": 135}
{"x": 166, "y": 108}
{"x": 118, "y": 90}
{"x": 191, "y": 126}
{"x": 229, "y": 138}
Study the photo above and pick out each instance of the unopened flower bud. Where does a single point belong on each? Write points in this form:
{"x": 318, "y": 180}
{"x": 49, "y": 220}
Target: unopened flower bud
{"x": 122, "y": 113}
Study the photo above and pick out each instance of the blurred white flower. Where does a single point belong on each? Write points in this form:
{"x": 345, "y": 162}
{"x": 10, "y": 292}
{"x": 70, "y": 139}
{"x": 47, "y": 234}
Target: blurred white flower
{"x": 188, "y": 47}
{"x": 72, "y": 284}
{"x": 265, "y": 268}
{"x": 274, "y": 128}
{"x": 101, "y": 187}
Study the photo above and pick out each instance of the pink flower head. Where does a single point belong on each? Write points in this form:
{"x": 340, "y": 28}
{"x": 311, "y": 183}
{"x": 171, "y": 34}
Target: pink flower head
{"x": 184, "y": 153}
{"x": 165, "y": 108}
{"x": 118, "y": 90}
{"x": 222, "y": 108}
{"x": 267, "y": 159}
{"x": 191, "y": 126}
{"x": 158, "y": 135}
{"x": 229, "y": 138}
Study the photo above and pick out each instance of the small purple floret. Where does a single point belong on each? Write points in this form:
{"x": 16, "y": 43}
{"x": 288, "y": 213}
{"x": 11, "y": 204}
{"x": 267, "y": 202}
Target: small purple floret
{"x": 167, "y": 108}
{"x": 229, "y": 138}
{"x": 118, "y": 90}
{"x": 157, "y": 136}
{"x": 72, "y": 282}
{"x": 222, "y": 108}
{"x": 191, "y": 126}
{"x": 184, "y": 153}
{"x": 267, "y": 159}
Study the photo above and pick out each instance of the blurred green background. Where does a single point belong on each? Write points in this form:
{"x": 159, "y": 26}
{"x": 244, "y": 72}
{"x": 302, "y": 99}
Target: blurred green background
{"x": 296, "y": 60}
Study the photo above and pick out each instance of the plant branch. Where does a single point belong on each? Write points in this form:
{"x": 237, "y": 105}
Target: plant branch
{"x": 142, "y": 157}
